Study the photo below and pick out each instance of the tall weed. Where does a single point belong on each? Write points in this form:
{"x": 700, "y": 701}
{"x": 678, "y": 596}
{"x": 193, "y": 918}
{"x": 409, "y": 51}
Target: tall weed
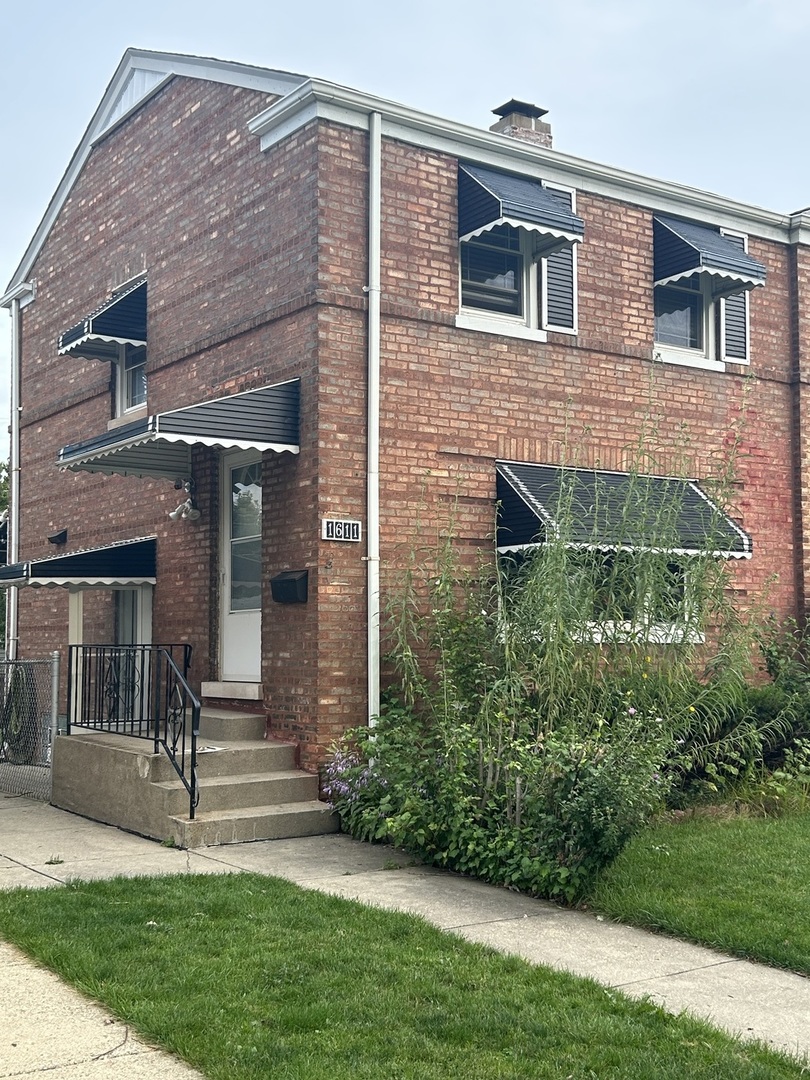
{"x": 543, "y": 706}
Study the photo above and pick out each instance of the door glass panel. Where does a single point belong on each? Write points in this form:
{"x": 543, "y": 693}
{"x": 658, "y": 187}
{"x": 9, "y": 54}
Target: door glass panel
{"x": 246, "y": 530}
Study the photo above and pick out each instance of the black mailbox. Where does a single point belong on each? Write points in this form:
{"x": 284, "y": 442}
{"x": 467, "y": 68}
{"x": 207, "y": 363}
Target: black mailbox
{"x": 290, "y": 587}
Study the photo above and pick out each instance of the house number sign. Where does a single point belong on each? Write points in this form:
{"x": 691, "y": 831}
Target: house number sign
{"x": 341, "y": 529}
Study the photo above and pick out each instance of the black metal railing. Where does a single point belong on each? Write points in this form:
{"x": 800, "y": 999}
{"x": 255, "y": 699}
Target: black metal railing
{"x": 140, "y": 691}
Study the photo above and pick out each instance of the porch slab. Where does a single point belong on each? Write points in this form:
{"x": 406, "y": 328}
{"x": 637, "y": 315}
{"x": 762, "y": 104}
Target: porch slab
{"x": 249, "y": 789}
{"x": 232, "y": 691}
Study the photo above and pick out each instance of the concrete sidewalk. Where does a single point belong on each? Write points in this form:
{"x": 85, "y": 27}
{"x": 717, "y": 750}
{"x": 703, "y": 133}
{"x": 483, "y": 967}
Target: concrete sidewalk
{"x": 41, "y": 846}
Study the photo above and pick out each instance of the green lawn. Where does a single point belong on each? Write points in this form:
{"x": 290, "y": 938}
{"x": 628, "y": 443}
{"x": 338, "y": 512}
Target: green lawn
{"x": 252, "y": 977}
{"x": 741, "y": 884}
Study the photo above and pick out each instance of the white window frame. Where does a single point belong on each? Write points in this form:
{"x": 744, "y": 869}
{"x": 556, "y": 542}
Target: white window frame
{"x": 122, "y": 404}
{"x": 533, "y": 324}
{"x": 704, "y": 356}
{"x": 711, "y": 356}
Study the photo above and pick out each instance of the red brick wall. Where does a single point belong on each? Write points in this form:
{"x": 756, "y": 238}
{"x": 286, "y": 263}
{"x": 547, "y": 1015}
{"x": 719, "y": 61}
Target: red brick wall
{"x": 257, "y": 264}
{"x": 454, "y": 401}
{"x": 228, "y": 238}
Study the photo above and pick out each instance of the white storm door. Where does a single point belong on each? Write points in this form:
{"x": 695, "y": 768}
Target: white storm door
{"x": 242, "y": 568}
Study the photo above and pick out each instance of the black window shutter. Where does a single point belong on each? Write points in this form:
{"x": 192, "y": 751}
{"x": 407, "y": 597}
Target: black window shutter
{"x": 560, "y": 288}
{"x": 736, "y": 339}
{"x": 559, "y": 279}
{"x": 735, "y": 319}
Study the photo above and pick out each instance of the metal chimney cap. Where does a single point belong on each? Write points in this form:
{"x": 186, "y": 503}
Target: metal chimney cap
{"x": 522, "y": 108}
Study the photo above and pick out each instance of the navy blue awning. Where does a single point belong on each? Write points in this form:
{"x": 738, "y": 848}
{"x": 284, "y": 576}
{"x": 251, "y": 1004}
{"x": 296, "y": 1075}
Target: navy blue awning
{"x": 487, "y": 198}
{"x": 126, "y": 563}
{"x": 160, "y": 445}
{"x": 683, "y": 248}
{"x": 589, "y": 508}
{"x": 120, "y": 320}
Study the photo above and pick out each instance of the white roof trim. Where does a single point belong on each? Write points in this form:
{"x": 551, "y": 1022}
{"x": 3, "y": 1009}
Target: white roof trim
{"x": 305, "y": 99}
{"x": 316, "y": 98}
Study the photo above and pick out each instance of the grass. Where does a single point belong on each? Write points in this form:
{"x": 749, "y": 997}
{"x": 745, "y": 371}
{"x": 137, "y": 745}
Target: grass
{"x": 252, "y": 977}
{"x": 739, "y": 884}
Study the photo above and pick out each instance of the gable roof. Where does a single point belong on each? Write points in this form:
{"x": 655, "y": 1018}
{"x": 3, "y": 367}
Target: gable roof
{"x": 140, "y": 74}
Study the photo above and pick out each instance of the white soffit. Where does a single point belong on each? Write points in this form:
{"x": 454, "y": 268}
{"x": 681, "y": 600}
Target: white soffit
{"x": 315, "y": 98}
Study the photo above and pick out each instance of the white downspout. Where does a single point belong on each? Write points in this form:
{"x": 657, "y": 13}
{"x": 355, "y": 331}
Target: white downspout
{"x": 12, "y": 600}
{"x": 373, "y": 416}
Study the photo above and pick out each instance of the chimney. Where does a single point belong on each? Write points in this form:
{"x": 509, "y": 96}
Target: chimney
{"x": 521, "y": 120}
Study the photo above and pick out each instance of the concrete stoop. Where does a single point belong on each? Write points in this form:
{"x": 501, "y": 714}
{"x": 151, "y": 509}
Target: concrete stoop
{"x": 250, "y": 788}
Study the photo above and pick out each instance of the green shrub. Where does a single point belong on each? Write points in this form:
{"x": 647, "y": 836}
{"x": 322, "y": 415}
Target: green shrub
{"x": 543, "y": 816}
{"x": 546, "y": 707}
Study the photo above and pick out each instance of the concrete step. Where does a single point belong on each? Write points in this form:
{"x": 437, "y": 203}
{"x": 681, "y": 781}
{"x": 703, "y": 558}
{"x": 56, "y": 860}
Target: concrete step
{"x": 277, "y": 822}
{"x": 250, "y": 790}
{"x": 219, "y": 793}
{"x": 227, "y": 725}
{"x": 230, "y": 759}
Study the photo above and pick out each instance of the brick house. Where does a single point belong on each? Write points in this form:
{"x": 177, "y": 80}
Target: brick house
{"x": 268, "y": 324}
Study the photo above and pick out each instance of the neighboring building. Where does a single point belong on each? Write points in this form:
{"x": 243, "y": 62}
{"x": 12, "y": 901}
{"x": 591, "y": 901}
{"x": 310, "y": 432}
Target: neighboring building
{"x": 257, "y": 299}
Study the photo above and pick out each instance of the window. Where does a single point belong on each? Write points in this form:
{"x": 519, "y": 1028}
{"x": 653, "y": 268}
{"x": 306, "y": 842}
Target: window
{"x": 517, "y": 254}
{"x": 131, "y": 378}
{"x": 618, "y": 595}
{"x": 492, "y": 271}
{"x": 633, "y": 591}
{"x": 679, "y": 314}
{"x": 115, "y": 332}
{"x": 631, "y": 546}
{"x": 702, "y": 280}
{"x": 500, "y": 275}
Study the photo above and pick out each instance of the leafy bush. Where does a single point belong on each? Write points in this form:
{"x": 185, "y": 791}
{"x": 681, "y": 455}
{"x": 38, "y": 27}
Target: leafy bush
{"x": 544, "y": 709}
{"x": 542, "y": 816}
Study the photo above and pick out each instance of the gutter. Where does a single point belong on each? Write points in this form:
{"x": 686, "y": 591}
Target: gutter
{"x": 13, "y": 300}
{"x": 373, "y": 417}
{"x": 317, "y": 98}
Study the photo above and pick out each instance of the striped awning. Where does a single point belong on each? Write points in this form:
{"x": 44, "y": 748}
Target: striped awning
{"x": 683, "y": 248}
{"x": 160, "y": 445}
{"x": 120, "y": 320}
{"x": 487, "y": 198}
{"x": 611, "y": 511}
{"x": 125, "y": 563}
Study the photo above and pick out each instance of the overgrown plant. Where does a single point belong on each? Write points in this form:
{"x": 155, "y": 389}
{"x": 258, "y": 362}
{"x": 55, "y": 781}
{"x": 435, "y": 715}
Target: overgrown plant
{"x": 545, "y": 707}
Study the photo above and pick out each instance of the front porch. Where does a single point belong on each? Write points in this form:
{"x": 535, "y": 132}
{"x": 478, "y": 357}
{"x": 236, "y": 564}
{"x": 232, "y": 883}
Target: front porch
{"x": 142, "y": 753}
{"x": 249, "y": 786}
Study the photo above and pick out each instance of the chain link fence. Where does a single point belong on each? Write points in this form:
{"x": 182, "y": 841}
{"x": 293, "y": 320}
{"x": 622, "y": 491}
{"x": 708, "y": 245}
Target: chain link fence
{"x": 28, "y": 722}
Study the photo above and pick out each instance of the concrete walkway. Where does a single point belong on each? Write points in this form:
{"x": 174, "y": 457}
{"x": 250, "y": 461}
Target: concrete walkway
{"x": 48, "y": 1027}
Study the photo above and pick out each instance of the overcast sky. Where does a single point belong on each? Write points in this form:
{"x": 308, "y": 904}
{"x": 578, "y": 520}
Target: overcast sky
{"x": 711, "y": 93}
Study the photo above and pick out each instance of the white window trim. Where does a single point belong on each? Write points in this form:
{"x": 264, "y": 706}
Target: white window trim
{"x": 121, "y": 408}
{"x": 670, "y": 354}
{"x": 473, "y": 319}
{"x": 532, "y": 325}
